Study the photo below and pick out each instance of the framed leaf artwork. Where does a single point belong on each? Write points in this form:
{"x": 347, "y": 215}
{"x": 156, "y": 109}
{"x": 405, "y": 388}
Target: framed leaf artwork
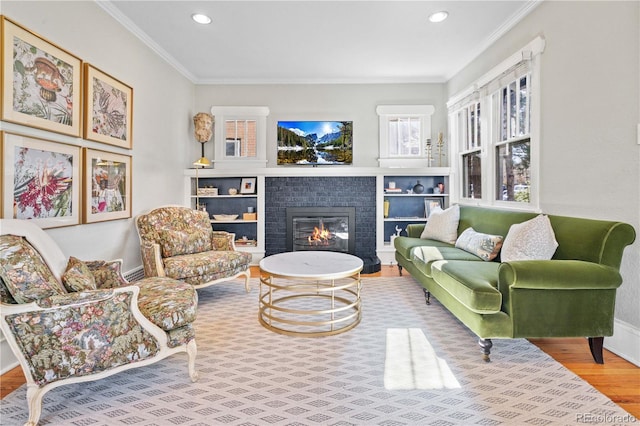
{"x": 41, "y": 181}
{"x": 40, "y": 82}
{"x": 107, "y": 186}
{"x": 108, "y": 116}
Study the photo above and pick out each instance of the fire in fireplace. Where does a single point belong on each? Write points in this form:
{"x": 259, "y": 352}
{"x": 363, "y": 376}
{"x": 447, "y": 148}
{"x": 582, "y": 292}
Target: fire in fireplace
{"x": 321, "y": 228}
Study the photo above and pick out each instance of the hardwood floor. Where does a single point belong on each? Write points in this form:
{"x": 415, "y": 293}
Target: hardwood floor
{"x": 616, "y": 378}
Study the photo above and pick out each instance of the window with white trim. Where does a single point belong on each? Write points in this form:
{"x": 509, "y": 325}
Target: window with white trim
{"x": 240, "y": 136}
{"x": 404, "y": 130}
{"x": 492, "y": 134}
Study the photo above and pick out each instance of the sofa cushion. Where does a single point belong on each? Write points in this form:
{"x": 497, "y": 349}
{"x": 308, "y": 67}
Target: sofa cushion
{"x": 485, "y": 246}
{"x": 424, "y": 256}
{"x": 199, "y": 268}
{"x": 168, "y": 303}
{"x": 78, "y": 276}
{"x": 442, "y": 225}
{"x": 24, "y": 272}
{"x": 474, "y": 284}
{"x": 530, "y": 240}
{"x": 405, "y": 245}
{"x": 175, "y": 242}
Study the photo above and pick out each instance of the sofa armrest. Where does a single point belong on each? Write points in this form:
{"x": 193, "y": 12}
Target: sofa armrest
{"x": 415, "y": 229}
{"x": 152, "y": 259}
{"x": 557, "y": 275}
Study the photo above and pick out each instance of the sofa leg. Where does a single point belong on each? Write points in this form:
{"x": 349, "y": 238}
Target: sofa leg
{"x": 486, "y": 345}
{"x": 595, "y": 345}
{"x": 399, "y": 270}
{"x": 427, "y": 296}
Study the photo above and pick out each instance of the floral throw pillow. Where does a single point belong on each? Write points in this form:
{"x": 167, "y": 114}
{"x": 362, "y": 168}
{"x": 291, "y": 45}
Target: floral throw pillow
{"x": 24, "y": 272}
{"x": 485, "y": 246}
{"x": 78, "y": 276}
{"x": 175, "y": 243}
{"x": 106, "y": 274}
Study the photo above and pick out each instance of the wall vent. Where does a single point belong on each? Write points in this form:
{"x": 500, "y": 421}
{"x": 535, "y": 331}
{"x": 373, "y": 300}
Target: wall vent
{"x": 135, "y": 274}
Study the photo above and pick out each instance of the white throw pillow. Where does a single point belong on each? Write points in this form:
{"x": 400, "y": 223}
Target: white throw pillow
{"x": 442, "y": 225}
{"x": 530, "y": 240}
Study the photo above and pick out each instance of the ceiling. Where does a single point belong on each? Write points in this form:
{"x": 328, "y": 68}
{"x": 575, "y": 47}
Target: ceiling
{"x": 265, "y": 42}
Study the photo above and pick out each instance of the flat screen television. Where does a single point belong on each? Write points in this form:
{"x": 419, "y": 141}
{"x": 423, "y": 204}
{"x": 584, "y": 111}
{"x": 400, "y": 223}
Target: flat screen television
{"x": 315, "y": 142}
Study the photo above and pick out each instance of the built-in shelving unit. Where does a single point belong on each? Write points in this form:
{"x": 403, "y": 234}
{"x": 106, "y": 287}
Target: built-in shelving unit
{"x": 210, "y": 191}
{"x": 404, "y": 207}
{"x": 407, "y": 198}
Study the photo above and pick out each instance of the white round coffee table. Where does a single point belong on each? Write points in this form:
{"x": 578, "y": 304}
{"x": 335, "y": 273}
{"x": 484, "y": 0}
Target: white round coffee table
{"x": 310, "y": 293}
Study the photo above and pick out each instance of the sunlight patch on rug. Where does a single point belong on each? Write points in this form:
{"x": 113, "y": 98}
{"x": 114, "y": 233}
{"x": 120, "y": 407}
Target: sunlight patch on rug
{"x": 411, "y": 363}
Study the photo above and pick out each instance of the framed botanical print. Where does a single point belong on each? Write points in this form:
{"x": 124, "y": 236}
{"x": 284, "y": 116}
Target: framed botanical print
{"x": 40, "y": 82}
{"x": 108, "y": 116}
{"x": 107, "y": 186}
{"x": 41, "y": 180}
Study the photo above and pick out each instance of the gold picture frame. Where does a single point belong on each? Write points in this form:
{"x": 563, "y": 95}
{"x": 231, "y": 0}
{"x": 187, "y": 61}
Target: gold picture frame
{"x": 107, "y": 186}
{"x": 41, "y": 180}
{"x": 108, "y": 109}
{"x": 41, "y": 82}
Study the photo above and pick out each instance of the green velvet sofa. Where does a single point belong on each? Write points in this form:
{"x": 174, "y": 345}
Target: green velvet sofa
{"x": 571, "y": 295}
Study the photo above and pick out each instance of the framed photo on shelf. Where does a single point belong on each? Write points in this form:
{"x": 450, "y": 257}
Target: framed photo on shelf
{"x": 431, "y": 203}
{"x": 108, "y": 109}
{"x": 40, "y": 82}
{"x": 107, "y": 186}
{"x": 248, "y": 186}
{"x": 41, "y": 181}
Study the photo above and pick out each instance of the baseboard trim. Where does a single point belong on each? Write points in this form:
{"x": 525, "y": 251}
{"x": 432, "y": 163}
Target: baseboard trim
{"x": 625, "y": 342}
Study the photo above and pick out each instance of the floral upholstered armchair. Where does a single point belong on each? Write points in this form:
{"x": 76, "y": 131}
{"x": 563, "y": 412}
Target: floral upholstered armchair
{"x": 70, "y": 321}
{"x": 178, "y": 242}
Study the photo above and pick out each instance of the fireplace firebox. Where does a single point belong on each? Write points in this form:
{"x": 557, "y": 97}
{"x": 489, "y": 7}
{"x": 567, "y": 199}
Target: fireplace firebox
{"x": 321, "y": 228}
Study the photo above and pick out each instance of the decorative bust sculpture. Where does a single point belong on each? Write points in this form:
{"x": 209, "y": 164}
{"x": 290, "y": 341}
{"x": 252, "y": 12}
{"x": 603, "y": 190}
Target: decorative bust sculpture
{"x": 203, "y": 123}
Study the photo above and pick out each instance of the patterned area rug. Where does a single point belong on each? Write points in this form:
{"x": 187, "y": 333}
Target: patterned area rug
{"x": 252, "y": 376}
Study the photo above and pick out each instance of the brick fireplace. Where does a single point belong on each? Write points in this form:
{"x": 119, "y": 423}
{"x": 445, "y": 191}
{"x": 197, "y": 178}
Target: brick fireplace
{"x": 358, "y": 192}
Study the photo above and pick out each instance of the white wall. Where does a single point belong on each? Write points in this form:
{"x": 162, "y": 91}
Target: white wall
{"x": 162, "y": 112}
{"x": 355, "y": 102}
{"x": 590, "y": 163}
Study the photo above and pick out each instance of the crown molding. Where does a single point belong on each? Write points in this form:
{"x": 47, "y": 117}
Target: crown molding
{"x": 122, "y": 19}
{"x": 507, "y": 25}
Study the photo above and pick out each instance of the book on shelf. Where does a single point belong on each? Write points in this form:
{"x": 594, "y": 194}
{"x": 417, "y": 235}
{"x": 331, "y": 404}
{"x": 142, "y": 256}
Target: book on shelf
{"x": 246, "y": 243}
{"x": 393, "y": 190}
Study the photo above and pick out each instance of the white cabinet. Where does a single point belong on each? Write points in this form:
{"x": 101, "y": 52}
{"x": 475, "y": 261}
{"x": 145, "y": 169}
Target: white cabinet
{"x": 221, "y": 196}
{"x": 405, "y": 198}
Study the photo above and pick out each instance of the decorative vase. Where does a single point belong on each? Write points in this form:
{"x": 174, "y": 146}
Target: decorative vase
{"x": 418, "y": 188}
{"x": 441, "y": 187}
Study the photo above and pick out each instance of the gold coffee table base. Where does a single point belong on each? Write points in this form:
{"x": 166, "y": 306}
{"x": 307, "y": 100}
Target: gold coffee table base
{"x": 310, "y": 304}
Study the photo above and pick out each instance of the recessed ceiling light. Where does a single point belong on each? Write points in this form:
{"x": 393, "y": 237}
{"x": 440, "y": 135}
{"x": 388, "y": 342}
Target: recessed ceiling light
{"x": 201, "y": 18}
{"x": 438, "y": 16}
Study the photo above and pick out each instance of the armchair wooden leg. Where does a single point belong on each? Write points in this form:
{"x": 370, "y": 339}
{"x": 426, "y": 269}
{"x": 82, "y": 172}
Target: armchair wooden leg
{"x": 247, "y": 275}
{"x": 34, "y": 400}
{"x": 595, "y": 345}
{"x": 192, "y": 350}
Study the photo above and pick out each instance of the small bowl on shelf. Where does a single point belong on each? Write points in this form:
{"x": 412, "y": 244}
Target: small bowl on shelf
{"x": 225, "y": 216}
